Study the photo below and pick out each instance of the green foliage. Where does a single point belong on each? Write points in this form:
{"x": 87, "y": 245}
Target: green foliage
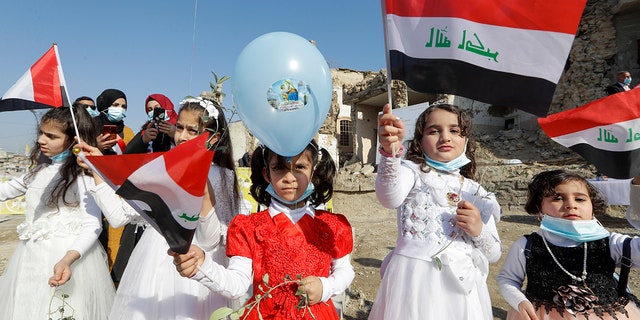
{"x": 265, "y": 289}
{"x": 59, "y": 311}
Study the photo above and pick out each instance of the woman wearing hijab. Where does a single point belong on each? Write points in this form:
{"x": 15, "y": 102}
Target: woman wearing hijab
{"x": 112, "y": 104}
{"x": 157, "y": 133}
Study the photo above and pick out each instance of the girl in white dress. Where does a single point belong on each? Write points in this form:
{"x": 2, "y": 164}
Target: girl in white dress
{"x": 446, "y": 221}
{"x": 150, "y": 287}
{"x": 58, "y": 246}
{"x": 569, "y": 262}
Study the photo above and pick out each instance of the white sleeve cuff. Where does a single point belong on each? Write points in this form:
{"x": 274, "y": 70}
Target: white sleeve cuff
{"x": 232, "y": 282}
{"x": 340, "y": 278}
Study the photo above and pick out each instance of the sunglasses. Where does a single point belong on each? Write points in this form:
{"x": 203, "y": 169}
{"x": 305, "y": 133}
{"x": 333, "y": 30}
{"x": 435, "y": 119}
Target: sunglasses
{"x": 87, "y": 106}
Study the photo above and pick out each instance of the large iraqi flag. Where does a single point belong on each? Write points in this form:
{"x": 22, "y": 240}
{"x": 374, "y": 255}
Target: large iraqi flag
{"x": 507, "y": 53}
{"x": 42, "y": 86}
{"x": 605, "y": 132}
{"x": 165, "y": 188}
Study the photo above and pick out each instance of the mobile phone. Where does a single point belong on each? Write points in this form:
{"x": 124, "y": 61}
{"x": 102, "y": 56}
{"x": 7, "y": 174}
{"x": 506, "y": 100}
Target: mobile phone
{"x": 158, "y": 114}
{"x": 111, "y": 130}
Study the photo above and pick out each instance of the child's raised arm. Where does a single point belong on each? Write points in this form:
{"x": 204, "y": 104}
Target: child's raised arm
{"x": 391, "y": 131}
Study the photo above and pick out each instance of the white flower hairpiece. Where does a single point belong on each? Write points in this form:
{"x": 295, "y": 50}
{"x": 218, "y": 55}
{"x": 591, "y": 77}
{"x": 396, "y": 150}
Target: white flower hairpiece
{"x": 212, "y": 111}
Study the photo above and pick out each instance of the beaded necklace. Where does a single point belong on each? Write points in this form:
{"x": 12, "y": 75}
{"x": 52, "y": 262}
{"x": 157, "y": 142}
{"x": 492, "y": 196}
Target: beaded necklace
{"x": 584, "y": 263}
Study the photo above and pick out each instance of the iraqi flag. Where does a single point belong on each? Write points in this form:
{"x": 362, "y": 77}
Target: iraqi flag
{"x": 508, "y": 53}
{"x": 165, "y": 188}
{"x": 42, "y": 86}
{"x": 605, "y": 132}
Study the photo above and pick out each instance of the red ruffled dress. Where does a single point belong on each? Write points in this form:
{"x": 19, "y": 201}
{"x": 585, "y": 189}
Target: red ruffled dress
{"x": 280, "y": 248}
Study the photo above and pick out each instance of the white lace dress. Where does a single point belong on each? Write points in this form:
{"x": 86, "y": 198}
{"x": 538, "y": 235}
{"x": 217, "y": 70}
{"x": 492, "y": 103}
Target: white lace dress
{"x": 45, "y": 236}
{"x": 150, "y": 287}
{"x": 436, "y": 271}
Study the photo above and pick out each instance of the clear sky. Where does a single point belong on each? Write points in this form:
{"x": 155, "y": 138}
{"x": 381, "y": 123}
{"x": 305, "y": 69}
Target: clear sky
{"x": 144, "y": 47}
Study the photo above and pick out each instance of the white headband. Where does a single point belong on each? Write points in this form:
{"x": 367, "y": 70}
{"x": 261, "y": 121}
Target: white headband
{"x": 212, "y": 111}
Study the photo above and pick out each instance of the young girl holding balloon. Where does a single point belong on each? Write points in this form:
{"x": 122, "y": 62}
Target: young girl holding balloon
{"x": 58, "y": 253}
{"x": 446, "y": 221}
{"x": 569, "y": 262}
{"x": 300, "y": 251}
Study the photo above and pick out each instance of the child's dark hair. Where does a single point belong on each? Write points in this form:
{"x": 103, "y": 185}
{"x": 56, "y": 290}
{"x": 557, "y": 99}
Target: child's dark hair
{"x": 322, "y": 176}
{"x": 223, "y": 155}
{"x": 544, "y": 185}
{"x": 70, "y": 169}
{"x": 415, "y": 152}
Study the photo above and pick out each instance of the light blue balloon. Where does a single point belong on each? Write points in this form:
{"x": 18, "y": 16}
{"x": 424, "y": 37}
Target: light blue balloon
{"x": 282, "y": 91}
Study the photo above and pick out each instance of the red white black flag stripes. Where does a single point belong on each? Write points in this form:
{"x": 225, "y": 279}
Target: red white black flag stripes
{"x": 42, "y": 86}
{"x": 605, "y": 132}
{"x": 165, "y": 188}
{"x": 508, "y": 53}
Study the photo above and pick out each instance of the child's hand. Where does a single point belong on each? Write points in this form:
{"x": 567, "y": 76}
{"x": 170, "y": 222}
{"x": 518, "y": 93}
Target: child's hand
{"x": 468, "y": 218}
{"x": 88, "y": 150}
{"x": 527, "y": 311}
{"x": 313, "y": 288}
{"x": 62, "y": 269}
{"x": 187, "y": 264}
{"x": 390, "y": 130}
{"x": 61, "y": 274}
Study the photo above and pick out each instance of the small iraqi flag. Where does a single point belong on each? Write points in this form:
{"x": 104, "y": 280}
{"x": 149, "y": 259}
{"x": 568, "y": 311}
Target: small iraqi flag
{"x": 165, "y": 188}
{"x": 605, "y": 132}
{"x": 507, "y": 53}
{"x": 42, "y": 86}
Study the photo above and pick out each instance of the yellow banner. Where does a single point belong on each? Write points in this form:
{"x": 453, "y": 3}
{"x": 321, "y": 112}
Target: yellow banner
{"x": 13, "y": 206}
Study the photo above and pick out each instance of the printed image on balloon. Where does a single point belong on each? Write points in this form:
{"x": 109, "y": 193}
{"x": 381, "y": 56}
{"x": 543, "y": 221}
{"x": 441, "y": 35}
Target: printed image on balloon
{"x": 282, "y": 91}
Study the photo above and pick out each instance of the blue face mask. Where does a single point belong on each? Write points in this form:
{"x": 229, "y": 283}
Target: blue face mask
{"x": 93, "y": 112}
{"x": 116, "y": 114}
{"x": 450, "y": 166}
{"x": 310, "y": 189}
{"x": 61, "y": 157}
{"x": 627, "y": 81}
{"x": 576, "y": 230}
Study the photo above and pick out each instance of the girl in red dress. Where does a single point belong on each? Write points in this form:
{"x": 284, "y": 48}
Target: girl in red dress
{"x": 296, "y": 256}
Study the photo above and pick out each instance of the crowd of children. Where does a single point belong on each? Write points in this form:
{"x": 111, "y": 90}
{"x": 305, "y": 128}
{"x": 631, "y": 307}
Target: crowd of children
{"x": 289, "y": 260}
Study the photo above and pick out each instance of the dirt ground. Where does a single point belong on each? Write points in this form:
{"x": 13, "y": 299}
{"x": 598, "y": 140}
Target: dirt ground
{"x": 375, "y": 235}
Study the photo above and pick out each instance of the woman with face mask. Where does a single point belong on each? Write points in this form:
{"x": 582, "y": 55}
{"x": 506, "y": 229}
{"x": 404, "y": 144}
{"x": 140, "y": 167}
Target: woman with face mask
{"x": 157, "y": 132}
{"x": 112, "y": 105}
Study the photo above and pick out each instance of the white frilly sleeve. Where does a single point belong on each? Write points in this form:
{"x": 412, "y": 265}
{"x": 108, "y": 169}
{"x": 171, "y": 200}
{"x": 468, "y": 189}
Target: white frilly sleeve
{"x": 393, "y": 182}
{"x": 91, "y": 218}
{"x": 117, "y": 211}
